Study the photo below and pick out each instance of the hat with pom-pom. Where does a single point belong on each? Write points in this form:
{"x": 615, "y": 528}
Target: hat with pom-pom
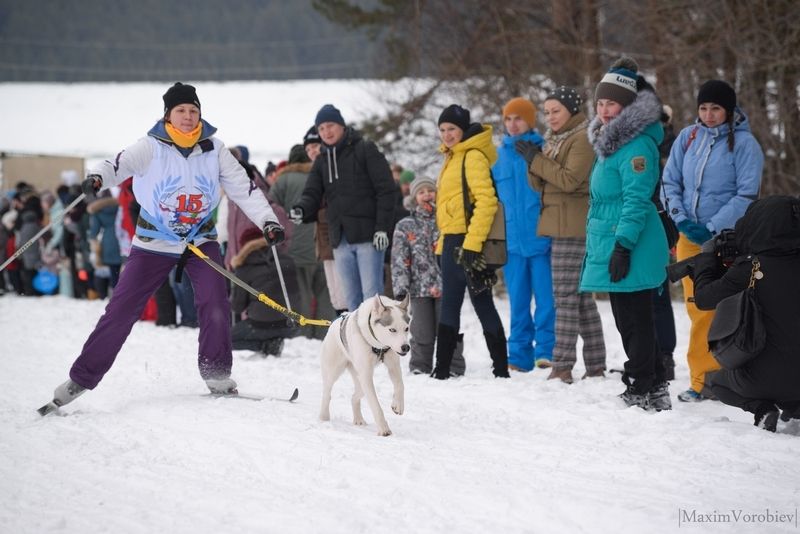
{"x": 619, "y": 83}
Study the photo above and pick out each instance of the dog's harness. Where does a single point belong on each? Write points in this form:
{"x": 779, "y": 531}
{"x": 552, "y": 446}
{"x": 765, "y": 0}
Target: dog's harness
{"x": 379, "y": 352}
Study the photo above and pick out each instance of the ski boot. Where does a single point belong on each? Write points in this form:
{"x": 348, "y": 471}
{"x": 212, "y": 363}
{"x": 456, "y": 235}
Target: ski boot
{"x": 63, "y": 394}
{"x": 222, "y": 386}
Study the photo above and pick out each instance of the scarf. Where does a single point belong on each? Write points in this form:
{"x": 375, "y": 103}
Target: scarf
{"x": 184, "y": 140}
{"x": 553, "y": 141}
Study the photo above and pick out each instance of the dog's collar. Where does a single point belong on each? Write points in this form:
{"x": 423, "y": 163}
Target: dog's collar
{"x": 379, "y": 352}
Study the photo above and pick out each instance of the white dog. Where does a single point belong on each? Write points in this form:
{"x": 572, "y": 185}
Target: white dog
{"x": 376, "y": 332}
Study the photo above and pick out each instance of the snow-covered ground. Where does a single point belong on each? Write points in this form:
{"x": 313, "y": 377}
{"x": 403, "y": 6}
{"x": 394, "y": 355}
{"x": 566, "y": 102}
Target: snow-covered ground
{"x": 146, "y": 452}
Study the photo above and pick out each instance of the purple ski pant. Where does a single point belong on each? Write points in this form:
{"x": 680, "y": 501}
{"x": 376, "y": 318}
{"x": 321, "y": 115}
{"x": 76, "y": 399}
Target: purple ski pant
{"x": 144, "y": 272}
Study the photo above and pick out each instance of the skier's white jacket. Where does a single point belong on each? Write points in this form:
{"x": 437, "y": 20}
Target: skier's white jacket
{"x": 178, "y": 189}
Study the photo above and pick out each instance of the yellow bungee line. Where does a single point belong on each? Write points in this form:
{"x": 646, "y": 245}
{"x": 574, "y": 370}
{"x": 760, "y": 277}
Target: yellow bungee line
{"x": 294, "y": 316}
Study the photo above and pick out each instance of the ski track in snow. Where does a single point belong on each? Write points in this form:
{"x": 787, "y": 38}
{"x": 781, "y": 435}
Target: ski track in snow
{"x": 147, "y": 452}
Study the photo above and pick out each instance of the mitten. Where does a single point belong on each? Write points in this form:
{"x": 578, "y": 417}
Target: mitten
{"x": 380, "y": 241}
{"x": 527, "y": 150}
{"x": 92, "y": 184}
{"x": 697, "y": 233}
{"x": 296, "y": 215}
{"x": 469, "y": 259}
{"x": 273, "y": 233}
{"x": 620, "y": 263}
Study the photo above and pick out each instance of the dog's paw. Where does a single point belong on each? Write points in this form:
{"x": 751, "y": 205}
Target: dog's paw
{"x": 359, "y": 421}
{"x": 397, "y": 407}
{"x": 384, "y": 431}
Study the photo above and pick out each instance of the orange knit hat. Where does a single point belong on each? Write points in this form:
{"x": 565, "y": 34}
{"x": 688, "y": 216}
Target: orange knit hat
{"x": 522, "y": 107}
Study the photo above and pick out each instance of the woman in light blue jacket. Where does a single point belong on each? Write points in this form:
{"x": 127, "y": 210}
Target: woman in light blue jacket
{"x": 712, "y": 175}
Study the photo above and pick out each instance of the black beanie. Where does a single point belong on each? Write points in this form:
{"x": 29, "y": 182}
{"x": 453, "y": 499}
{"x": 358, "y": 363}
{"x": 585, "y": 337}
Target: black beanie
{"x": 455, "y": 114}
{"x": 329, "y": 113}
{"x": 311, "y": 137}
{"x": 298, "y": 155}
{"x": 568, "y": 97}
{"x": 717, "y": 92}
{"x": 180, "y": 94}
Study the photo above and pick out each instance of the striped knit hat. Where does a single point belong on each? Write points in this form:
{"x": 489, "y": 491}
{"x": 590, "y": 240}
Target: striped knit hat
{"x": 619, "y": 83}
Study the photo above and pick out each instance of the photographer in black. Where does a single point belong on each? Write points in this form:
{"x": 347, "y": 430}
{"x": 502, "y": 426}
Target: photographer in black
{"x": 770, "y": 230}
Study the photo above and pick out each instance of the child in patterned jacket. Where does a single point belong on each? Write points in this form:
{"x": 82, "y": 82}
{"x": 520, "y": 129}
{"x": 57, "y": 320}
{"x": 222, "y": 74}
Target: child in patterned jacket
{"x": 415, "y": 272}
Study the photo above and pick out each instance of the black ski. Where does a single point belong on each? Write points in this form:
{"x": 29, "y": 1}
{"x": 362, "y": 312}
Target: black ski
{"x": 48, "y": 408}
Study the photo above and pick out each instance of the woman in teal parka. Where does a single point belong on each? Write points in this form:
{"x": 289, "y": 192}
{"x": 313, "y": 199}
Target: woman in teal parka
{"x": 626, "y": 248}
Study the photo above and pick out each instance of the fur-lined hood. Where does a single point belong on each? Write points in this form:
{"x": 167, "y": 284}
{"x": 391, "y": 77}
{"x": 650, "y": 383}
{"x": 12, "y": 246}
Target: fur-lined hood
{"x": 632, "y": 121}
{"x": 304, "y": 168}
{"x": 251, "y": 246}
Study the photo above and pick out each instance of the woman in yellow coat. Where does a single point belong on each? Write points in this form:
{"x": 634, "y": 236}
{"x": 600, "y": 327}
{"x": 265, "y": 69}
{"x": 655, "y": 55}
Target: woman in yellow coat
{"x": 467, "y": 149}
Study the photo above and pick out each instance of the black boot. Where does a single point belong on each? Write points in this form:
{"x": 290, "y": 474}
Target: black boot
{"x": 446, "y": 340}
{"x": 669, "y": 366}
{"x": 498, "y": 350}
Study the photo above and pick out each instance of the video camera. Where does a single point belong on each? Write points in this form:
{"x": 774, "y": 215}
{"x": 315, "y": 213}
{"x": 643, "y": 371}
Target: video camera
{"x": 724, "y": 246}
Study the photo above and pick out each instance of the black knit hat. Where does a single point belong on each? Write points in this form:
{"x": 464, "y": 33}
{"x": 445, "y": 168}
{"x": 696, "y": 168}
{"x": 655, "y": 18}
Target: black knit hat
{"x": 298, "y": 155}
{"x": 717, "y": 92}
{"x": 180, "y": 94}
{"x": 329, "y": 113}
{"x": 568, "y": 96}
{"x": 619, "y": 83}
{"x": 311, "y": 137}
{"x": 455, "y": 114}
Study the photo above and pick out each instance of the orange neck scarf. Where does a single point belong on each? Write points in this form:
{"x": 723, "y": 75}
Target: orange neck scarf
{"x": 184, "y": 140}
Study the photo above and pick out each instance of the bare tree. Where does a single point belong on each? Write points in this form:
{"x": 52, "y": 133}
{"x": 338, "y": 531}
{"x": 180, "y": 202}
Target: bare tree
{"x": 480, "y": 54}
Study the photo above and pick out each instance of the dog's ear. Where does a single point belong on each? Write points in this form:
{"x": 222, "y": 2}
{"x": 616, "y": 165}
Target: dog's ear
{"x": 404, "y": 303}
{"x": 378, "y": 305}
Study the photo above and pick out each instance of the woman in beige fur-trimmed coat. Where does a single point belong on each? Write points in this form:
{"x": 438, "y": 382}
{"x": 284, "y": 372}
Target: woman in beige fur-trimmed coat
{"x": 560, "y": 173}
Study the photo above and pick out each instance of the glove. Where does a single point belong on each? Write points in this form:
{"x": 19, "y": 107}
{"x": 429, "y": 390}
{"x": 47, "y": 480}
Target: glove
{"x": 296, "y": 215}
{"x": 697, "y": 233}
{"x": 380, "y": 241}
{"x": 527, "y": 150}
{"x": 469, "y": 259}
{"x": 273, "y": 233}
{"x": 709, "y": 246}
{"x": 92, "y": 184}
{"x": 620, "y": 263}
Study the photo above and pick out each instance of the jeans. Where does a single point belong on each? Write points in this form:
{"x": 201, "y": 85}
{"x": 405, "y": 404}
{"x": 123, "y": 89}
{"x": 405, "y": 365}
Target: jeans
{"x": 360, "y": 269}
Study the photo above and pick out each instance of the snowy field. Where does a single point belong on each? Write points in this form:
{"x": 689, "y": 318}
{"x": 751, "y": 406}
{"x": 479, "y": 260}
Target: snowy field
{"x": 145, "y": 452}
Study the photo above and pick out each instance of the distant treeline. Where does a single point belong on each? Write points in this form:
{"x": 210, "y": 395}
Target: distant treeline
{"x": 157, "y": 40}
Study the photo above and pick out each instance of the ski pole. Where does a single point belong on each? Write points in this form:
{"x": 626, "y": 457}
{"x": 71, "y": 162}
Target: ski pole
{"x": 280, "y": 277}
{"x": 264, "y": 299}
{"x": 41, "y": 232}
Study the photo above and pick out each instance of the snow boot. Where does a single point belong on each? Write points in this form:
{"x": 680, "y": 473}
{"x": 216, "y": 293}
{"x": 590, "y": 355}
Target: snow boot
{"x": 691, "y": 395}
{"x": 221, "y": 386}
{"x": 458, "y": 366}
{"x": 446, "y": 342}
{"x": 563, "y": 374}
{"x": 498, "y": 350}
{"x": 273, "y": 347}
{"x": 633, "y": 398}
{"x": 659, "y": 397}
{"x": 67, "y": 392}
{"x": 766, "y": 417}
{"x": 594, "y": 373}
